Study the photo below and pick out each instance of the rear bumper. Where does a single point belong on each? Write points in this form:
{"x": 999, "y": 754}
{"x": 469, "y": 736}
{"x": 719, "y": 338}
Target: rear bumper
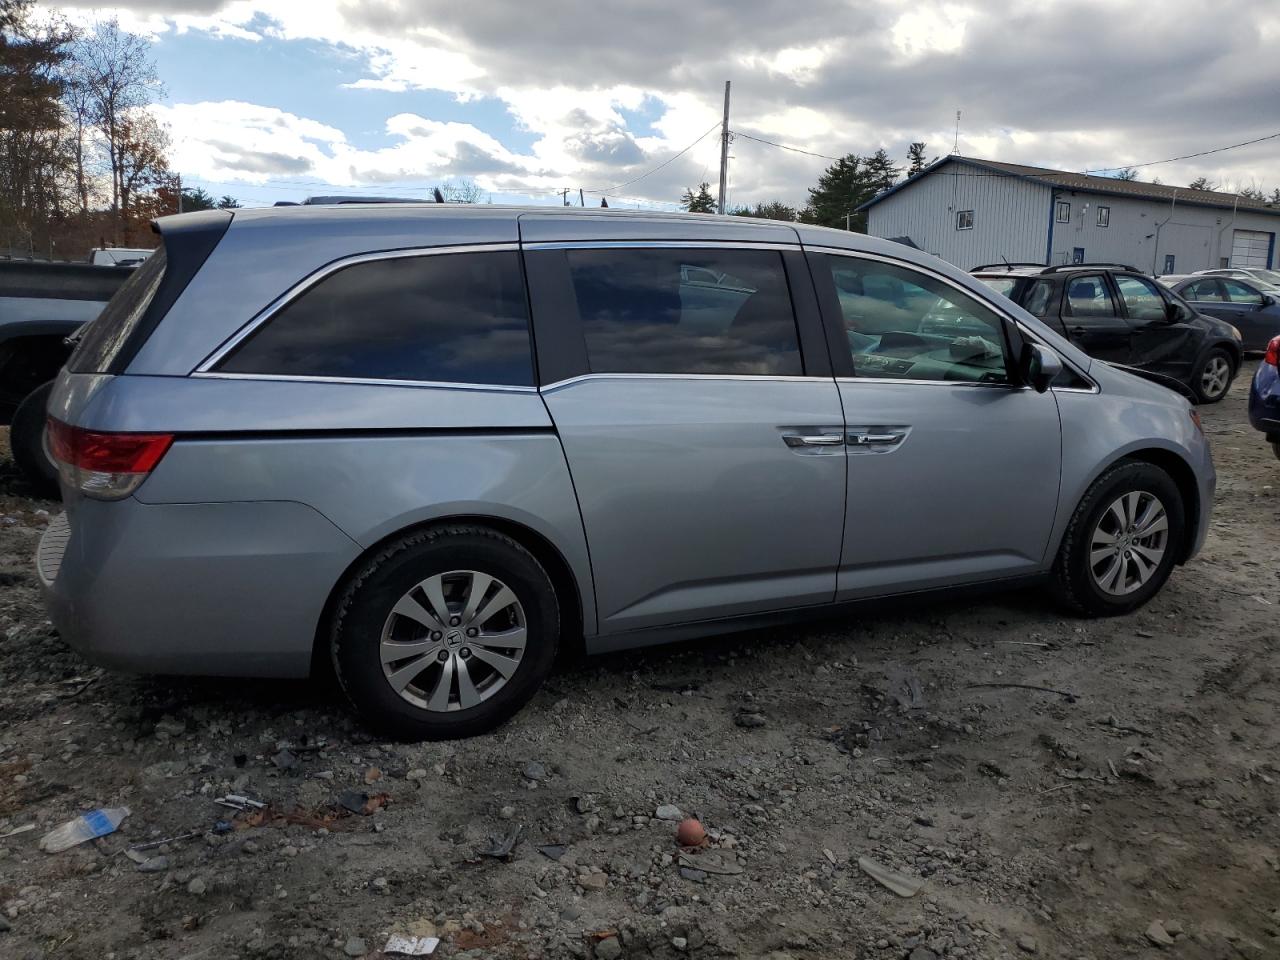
{"x": 1264, "y": 401}
{"x": 220, "y": 589}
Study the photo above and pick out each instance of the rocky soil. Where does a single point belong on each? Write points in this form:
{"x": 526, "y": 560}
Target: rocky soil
{"x": 1127, "y": 809}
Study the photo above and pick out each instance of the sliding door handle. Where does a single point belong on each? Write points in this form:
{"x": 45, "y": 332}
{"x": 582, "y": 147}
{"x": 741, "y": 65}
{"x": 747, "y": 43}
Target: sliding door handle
{"x": 875, "y": 439}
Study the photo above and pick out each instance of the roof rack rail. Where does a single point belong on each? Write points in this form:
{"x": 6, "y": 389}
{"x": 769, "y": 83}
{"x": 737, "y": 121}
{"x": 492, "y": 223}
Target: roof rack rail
{"x": 330, "y": 200}
{"x": 1076, "y": 266}
{"x": 1006, "y": 264}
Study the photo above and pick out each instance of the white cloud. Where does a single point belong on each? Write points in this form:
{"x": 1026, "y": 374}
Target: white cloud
{"x": 1091, "y": 83}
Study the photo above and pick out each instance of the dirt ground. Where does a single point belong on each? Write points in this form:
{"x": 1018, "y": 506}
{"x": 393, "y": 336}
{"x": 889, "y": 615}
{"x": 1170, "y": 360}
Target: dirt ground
{"x": 1056, "y": 824}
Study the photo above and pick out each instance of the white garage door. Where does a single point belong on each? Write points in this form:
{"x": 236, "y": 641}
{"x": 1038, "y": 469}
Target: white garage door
{"x": 1249, "y": 248}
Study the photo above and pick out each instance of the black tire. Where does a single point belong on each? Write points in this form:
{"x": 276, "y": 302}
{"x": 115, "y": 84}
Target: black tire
{"x": 366, "y": 603}
{"x": 1215, "y": 356}
{"x": 1275, "y": 448}
{"x": 26, "y": 441}
{"x": 1073, "y": 578}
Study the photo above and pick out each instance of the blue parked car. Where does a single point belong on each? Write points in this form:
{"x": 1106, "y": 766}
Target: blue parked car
{"x": 1264, "y": 396}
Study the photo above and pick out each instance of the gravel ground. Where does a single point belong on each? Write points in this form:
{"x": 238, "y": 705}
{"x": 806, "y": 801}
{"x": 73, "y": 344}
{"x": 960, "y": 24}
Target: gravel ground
{"x": 1132, "y": 813}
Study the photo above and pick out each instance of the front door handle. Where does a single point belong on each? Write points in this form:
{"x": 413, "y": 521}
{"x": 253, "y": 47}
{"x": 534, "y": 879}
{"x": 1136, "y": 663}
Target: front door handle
{"x": 812, "y": 440}
{"x": 875, "y": 439}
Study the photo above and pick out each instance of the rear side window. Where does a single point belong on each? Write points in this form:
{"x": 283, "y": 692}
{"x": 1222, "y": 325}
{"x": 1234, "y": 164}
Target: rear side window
{"x": 1039, "y": 297}
{"x": 680, "y": 311}
{"x": 1202, "y": 290}
{"x": 103, "y": 337}
{"x": 1089, "y": 297}
{"x": 451, "y": 318}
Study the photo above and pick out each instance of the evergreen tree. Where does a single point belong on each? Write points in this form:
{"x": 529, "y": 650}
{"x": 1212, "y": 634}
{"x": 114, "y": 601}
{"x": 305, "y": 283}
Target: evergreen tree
{"x": 700, "y": 202}
{"x": 770, "y": 210}
{"x": 847, "y": 184}
{"x": 1202, "y": 183}
{"x": 915, "y": 158}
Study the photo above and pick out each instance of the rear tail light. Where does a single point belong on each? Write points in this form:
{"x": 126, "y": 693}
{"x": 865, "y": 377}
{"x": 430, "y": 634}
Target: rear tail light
{"x": 1273, "y": 352}
{"x": 106, "y": 466}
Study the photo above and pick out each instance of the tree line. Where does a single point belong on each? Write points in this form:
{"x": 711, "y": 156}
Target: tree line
{"x": 83, "y": 161}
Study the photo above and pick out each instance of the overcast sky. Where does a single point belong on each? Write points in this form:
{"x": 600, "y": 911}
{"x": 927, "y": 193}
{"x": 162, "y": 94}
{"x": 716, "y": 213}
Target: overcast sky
{"x": 276, "y": 99}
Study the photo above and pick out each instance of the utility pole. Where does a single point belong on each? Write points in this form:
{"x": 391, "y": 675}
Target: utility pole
{"x": 179, "y": 193}
{"x": 582, "y": 200}
{"x": 564, "y": 197}
{"x": 846, "y": 222}
{"x": 724, "y": 151}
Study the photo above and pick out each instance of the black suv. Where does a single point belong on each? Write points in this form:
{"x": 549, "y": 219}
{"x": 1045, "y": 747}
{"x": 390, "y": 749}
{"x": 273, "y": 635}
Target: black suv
{"x": 1116, "y": 313}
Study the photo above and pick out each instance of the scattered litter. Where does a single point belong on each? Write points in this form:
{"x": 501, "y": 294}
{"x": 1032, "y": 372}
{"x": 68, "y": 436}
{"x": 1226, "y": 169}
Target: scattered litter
{"x": 222, "y": 827}
{"x": 690, "y": 833}
{"x": 357, "y": 801}
{"x": 1260, "y": 599}
{"x": 1112, "y": 723}
{"x": 1111, "y": 764}
{"x": 237, "y": 802}
{"x": 712, "y": 862}
{"x": 501, "y": 848}
{"x": 904, "y": 687}
{"x": 831, "y": 857}
{"x": 692, "y": 873}
{"x": 1070, "y": 697}
{"x": 411, "y": 946}
{"x": 154, "y": 865}
{"x": 17, "y": 830}
{"x": 151, "y": 844}
{"x": 553, "y": 850}
{"x": 95, "y": 823}
{"x": 899, "y": 883}
{"x": 372, "y": 776}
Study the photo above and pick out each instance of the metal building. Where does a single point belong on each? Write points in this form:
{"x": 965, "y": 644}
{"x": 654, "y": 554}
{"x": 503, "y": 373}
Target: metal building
{"x": 974, "y": 212}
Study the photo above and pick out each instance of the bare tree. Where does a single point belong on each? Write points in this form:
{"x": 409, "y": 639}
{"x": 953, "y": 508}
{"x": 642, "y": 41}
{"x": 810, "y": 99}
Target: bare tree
{"x": 121, "y": 81}
{"x": 461, "y": 191}
{"x": 140, "y": 158}
{"x": 1127, "y": 173}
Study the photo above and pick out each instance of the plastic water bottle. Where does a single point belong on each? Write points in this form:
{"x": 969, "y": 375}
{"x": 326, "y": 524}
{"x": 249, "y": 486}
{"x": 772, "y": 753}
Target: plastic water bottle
{"x": 95, "y": 823}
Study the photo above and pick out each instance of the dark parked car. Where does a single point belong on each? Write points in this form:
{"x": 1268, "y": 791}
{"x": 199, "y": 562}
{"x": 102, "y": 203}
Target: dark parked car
{"x": 1118, "y": 314}
{"x": 1247, "y": 306}
{"x": 1264, "y": 396}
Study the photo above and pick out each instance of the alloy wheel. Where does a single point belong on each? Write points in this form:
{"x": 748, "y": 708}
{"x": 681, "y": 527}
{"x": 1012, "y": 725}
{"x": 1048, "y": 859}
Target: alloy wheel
{"x": 453, "y": 641}
{"x": 1215, "y": 377}
{"x": 1128, "y": 543}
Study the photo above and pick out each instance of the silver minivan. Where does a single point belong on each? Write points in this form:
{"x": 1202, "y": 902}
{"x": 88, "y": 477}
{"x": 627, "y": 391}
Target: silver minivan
{"x": 429, "y": 444}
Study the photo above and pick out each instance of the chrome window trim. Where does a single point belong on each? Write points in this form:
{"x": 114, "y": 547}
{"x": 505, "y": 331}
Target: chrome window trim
{"x": 328, "y": 269}
{"x": 933, "y": 383}
{"x": 580, "y": 378}
{"x": 366, "y": 381}
{"x": 972, "y": 295}
{"x": 662, "y": 245}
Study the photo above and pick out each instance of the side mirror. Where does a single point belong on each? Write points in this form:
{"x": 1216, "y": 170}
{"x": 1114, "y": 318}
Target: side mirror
{"x": 1174, "y": 312}
{"x": 1039, "y": 366}
{"x": 1268, "y": 300}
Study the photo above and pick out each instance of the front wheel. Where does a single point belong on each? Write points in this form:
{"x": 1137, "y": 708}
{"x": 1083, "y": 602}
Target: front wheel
{"x": 1213, "y": 378}
{"x": 1122, "y": 542}
{"x": 445, "y": 633}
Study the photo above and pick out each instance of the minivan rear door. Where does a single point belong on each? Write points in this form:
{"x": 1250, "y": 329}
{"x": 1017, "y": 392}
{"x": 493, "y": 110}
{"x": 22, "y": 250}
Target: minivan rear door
{"x": 691, "y": 388}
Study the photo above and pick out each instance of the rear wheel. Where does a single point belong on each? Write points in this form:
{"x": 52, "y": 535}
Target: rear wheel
{"x": 445, "y": 633}
{"x": 26, "y": 440}
{"x": 1214, "y": 376}
{"x": 1122, "y": 543}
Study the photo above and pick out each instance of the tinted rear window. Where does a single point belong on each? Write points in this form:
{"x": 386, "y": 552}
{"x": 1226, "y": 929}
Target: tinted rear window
{"x": 452, "y": 318}
{"x": 102, "y": 339}
{"x": 686, "y": 311}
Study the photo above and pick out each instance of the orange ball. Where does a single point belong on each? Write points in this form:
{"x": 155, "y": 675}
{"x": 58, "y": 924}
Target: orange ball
{"x": 690, "y": 833}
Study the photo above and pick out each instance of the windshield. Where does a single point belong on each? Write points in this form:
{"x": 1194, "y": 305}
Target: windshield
{"x": 102, "y": 338}
{"x": 1270, "y": 276}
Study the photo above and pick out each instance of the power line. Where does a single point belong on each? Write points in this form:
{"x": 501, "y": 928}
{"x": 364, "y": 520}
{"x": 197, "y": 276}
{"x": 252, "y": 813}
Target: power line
{"x": 610, "y": 190}
{"x": 1189, "y": 156}
{"x": 783, "y": 146}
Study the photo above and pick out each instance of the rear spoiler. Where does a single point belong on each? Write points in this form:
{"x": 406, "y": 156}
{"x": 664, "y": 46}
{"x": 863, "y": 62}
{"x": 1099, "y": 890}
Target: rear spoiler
{"x": 1177, "y": 386}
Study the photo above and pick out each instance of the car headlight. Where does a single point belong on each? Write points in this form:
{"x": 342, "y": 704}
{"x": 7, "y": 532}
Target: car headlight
{"x": 1235, "y": 333}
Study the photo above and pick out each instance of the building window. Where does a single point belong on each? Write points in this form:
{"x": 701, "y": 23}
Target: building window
{"x": 1168, "y": 263}
{"x": 964, "y": 219}
{"x": 1224, "y": 262}
{"x": 1104, "y": 216}
{"x": 1077, "y": 254}
{"x": 1063, "y": 211}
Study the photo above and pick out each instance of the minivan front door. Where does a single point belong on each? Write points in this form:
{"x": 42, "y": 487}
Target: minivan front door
{"x": 705, "y": 445}
{"x": 953, "y": 469}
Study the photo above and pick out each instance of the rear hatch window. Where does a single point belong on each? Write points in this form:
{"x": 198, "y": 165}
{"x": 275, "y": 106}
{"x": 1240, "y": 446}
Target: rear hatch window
{"x": 102, "y": 339}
